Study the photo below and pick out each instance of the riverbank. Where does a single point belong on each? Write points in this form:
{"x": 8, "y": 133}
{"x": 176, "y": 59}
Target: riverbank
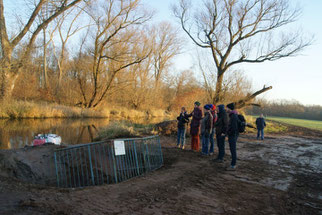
{"x": 278, "y": 176}
{"x": 40, "y": 110}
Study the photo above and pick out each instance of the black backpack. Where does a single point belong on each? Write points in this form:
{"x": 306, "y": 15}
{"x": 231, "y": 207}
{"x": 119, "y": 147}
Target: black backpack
{"x": 241, "y": 123}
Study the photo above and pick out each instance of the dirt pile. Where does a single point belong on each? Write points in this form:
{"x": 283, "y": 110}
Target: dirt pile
{"x": 167, "y": 127}
{"x": 30, "y": 164}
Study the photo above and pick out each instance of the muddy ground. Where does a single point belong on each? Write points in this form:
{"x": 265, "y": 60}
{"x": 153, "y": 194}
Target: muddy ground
{"x": 280, "y": 175}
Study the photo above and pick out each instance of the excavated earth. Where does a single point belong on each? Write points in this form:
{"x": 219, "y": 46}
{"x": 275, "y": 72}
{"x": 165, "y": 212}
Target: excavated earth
{"x": 280, "y": 175}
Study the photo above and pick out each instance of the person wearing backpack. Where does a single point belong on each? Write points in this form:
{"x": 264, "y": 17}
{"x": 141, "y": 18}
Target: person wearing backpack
{"x": 232, "y": 132}
{"x": 260, "y": 125}
{"x": 206, "y": 127}
{"x": 221, "y": 129}
{"x": 183, "y": 120}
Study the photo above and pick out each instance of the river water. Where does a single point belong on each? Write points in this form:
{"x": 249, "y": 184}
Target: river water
{"x": 19, "y": 133}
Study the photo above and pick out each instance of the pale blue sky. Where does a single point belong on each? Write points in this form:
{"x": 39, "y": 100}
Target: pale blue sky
{"x": 298, "y": 78}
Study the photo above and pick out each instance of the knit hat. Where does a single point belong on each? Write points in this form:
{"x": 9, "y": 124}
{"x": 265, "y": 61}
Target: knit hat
{"x": 221, "y": 107}
{"x": 197, "y": 103}
{"x": 213, "y": 107}
{"x": 207, "y": 107}
{"x": 231, "y": 106}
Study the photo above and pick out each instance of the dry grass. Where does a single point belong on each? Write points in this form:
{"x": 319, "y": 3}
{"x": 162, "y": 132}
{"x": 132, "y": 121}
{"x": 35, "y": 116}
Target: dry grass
{"x": 121, "y": 129}
{"x": 26, "y": 109}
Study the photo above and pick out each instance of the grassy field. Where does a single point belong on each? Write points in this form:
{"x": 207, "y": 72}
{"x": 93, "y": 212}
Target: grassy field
{"x": 313, "y": 124}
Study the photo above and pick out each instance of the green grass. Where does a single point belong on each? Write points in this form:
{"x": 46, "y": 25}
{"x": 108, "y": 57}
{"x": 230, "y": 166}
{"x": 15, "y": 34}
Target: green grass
{"x": 312, "y": 124}
{"x": 271, "y": 126}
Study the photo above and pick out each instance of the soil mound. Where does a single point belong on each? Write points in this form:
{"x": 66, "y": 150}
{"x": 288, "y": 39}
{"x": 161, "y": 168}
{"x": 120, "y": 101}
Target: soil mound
{"x": 30, "y": 164}
{"x": 166, "y": 127}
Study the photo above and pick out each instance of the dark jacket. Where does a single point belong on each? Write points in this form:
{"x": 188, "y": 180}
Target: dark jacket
{"x": 260, "y": 123}
{"x": 232, "y": 129}
{"x": 207, "y": 124}
{"x": 214, "y": 117}
{"x": 222, "y": 121}
{"x": 183, "y": 120}
{"x": 195, "y": 122}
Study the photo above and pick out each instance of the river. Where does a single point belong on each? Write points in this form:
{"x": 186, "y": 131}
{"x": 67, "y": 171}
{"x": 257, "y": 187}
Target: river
{"x": 20, "y": 133}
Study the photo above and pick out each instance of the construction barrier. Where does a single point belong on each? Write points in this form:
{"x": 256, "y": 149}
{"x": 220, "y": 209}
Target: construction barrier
{"x": 107, "y": 162}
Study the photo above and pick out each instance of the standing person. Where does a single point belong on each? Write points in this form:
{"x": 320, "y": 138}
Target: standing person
{"x": 213, "y": 130}
{"x": 195, "y": 126}
{"x": 206, "y": 127}
{"x": 183, "y": 120}
{"x": 221, "y": 129}
{"x": 232, "y": 132}
{"x": 260, "y": 125}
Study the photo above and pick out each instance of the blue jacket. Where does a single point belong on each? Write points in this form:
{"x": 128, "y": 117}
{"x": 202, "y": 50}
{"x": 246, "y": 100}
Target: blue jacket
{"x": 260, "y": 123}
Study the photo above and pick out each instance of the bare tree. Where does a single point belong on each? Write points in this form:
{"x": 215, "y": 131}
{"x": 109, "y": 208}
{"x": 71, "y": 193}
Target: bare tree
{"x": 10, "y": 68}
{"x": 67, "y": 26}
{"x": 242, "y": 31}
{"x": 116, "y": 46}
{"x": 166, "y": 46}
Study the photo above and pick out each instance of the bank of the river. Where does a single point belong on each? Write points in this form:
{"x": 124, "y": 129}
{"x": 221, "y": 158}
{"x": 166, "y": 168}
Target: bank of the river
{"x": 18, "y": 133}
{"x": 26, "y": 109}
{"x": 278, "y": 176}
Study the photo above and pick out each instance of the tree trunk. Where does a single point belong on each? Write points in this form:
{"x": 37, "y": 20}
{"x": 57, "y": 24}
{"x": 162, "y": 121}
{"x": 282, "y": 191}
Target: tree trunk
{"x": 248, "y": 99}
{"x": 45, "y": 76}
{"x": 8, "y": 81}
{"x": 218, "y": 94}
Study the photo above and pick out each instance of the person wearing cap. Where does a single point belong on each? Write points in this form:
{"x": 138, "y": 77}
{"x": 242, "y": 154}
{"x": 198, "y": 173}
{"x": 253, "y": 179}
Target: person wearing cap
{"x": 183, "y": 120}
{"x": 206, "y": 127}
{"x": 232, "y": 132}
{"x": 221, "y": 129}
{"x": 195, "y": 126}
{"x": 213, "y": 130}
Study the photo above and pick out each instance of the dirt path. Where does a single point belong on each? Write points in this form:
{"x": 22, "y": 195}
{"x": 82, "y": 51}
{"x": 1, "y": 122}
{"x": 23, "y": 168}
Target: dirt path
{"x": 280, "y": 176}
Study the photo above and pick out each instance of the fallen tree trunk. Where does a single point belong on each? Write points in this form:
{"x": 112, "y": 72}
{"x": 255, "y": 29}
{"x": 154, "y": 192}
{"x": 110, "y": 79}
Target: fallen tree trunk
{"x": 248, "y": 99}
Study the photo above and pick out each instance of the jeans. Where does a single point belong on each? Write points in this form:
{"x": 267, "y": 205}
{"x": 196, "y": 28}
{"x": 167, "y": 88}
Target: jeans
{"x": 232, "y": 146}
{"x": 221, "y": 146}
{"x": 181, "y": 136}
{"x": 205, "y": 143}
{"x": 260, "y": 133}
{"x": 212, "y": 141}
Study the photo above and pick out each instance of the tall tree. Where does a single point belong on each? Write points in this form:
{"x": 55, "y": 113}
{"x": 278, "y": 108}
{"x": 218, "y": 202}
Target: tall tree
{"x": 242, "y": 31}
{"x": 116, "y": 47}
{"x": 10, "y": 68}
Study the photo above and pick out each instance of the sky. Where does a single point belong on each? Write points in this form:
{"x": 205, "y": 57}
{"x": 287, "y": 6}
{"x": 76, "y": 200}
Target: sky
{"x": 296, "y": 78}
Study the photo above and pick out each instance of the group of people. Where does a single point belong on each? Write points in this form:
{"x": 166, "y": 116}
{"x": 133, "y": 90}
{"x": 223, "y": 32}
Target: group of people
{"x": 213, "y": 122}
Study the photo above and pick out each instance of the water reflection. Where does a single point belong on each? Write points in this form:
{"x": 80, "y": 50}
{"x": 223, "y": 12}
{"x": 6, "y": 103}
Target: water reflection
{"x": 18, "y": 133}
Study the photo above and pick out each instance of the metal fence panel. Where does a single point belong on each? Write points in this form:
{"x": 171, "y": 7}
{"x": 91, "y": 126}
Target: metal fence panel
{"x": 102, "y": 163}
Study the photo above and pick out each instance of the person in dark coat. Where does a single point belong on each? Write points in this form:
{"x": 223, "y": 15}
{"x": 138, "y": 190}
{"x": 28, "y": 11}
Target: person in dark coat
{"x": 213, "y": 130}
{"x": 232, "y": 132}
{"x": 183, "y": 121}
{"x": 195, "y": 126}
{"x": 221, "y": 129}
{"x": 206, "y": 128}
{"x": 260, "y": 125}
